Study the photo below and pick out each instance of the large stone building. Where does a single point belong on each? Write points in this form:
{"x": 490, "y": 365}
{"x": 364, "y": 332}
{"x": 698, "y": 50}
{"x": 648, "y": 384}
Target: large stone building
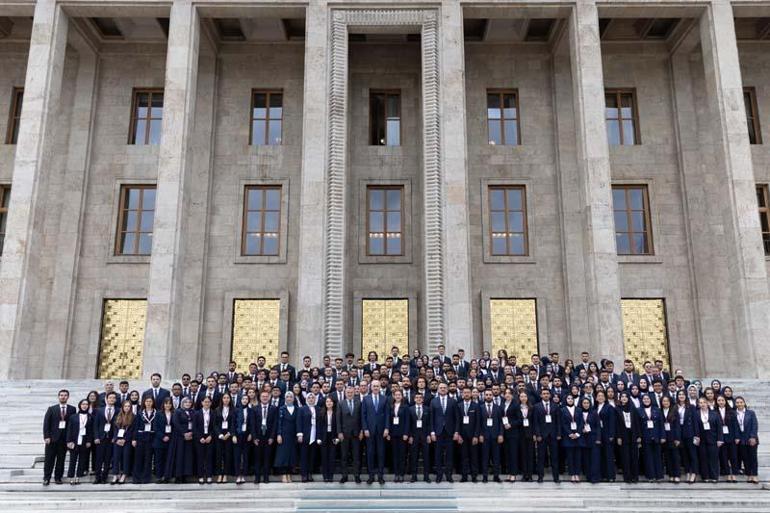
{"x": 184, "y": 182}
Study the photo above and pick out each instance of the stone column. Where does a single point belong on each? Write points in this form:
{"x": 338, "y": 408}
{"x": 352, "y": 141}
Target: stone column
{"x": 166, "y": 264}
{"x": 310, "y": 289}
{"x": 602, "y": 296}
{"x": 73, "y": 194}
{"x": 747, "y": 288}
{"x": 457, "y": 280}
{"x": 20, "y": 273}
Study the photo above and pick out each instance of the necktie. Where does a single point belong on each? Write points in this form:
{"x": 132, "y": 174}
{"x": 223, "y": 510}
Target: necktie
{"x": 443, "y": 404}
{"x": 489, "y": 410}
{"x": 419, "y": 412}
{"x": 546, "y": 409}
{"x": 350, "y": 407}
{"x": 63, "y": 412}
{"x": 264, "y": 419}
{"x": 155, "y": 393}
{"x": 109, "y": 414}
{"x": 375, "y": 402}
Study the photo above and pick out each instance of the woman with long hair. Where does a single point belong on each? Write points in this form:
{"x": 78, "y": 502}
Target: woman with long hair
{"x": 688, "y": 452}
{"x": 143, "y": 441}
{"x": 629, "y": 437}
{"x": 673, "y": 434}
{"x": 224, "y": 427}
{"x": 203, "y": 441}
{"x": 245, "y": 418}
{"x": 79, "y": 438}
{"x": 746, "y": 439}
{"x": 121, "y": 443}
{"x": 328, "y": 440}
{"x": 708, "y": 438}
{"x": 162, "y": 428}
{"x": 511, "y": 433}
{"x": 607, "y": 424}
{"x": 398, "y": 433}
{"x": 728, "y": 453}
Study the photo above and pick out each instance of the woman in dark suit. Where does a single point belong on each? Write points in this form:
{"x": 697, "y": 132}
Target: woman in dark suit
{"x": 224, "y": 427}
{"x": 590, "y": 441}
{"x": 245, "y": 418}
{"x": 142, "y": 442}
{"x": 397, "y": 423}
{"x": 673, "y": 434}
{"x": 162, "y": 428}
{"x": 708, "y": 438}
{"x": 688, "y": 452}
{"x": 652, "y": 438}
{"x": 328, "y": 441}
{"x": 607, "y": 424}
{"x": 728, "y": 453}
{"x": 286, "y": 454}
{"x": 571, "y": 429}
{"x": 307, "y": 436}
{"x": 180, "y": 452}
{"x": 121, "y": 443}
{"x": 527, "y": 436}
{"x": 628, "y": 436}
{"x": 203, "y": 441}
{"x": 79, "y": 438}
{"x": 746, "y": 439}
{"x": 511, "y": 433}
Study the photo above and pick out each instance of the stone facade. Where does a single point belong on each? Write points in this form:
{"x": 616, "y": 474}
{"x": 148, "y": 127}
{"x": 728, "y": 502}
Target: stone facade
{"x": 58, "y": 262}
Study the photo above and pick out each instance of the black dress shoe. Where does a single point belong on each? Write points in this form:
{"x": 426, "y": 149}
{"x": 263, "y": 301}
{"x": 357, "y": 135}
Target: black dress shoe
{"x": 497, "y": 479}
{"x": 539, "y": 479}
{"x": 557, "y": 480}
{"x": 427, "y": 479}
{"x": 484, "y": 479}
{"x": 438, "y": 479}
{"x": 449, "y": 479}
{"x": 46, "y": 482}
{"x": 474, "y": 479}
{"x": 413, "y": 480}
{"x": 370, "y": 480}
{"x": 381, "y": 480}
{"x": 464, "y": 479}
{"x": 357, "y": 480}
{"x": 344, "y": 479}
{"x": 304, "y": 480}
{"x": 162, "y": 480}
{"x": 57, "y": 481}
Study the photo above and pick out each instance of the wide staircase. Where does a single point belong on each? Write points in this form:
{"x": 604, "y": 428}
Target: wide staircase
{"x": 23, "y": 404}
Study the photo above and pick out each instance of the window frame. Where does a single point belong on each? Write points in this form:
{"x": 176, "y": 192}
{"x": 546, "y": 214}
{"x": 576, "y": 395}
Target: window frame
{"x": 501, "y": 96}
{"x": 618, "y": 92}
{"x": 752, "y": 114}
{"x": 14, "y": 115}
{"x": 122, "y": 210}
{"x": 268, "y": 93}
{"x": 5, "y": 188}
{"x": 646, "y": 205}
{"x": 490, "y": 211}
{"x": 385, "y": 211}
{"x": 132, "y": 130}
{"x": 244, "y": 220}
{"x": 387, "y": 93}
{"x": 764, "y": 212}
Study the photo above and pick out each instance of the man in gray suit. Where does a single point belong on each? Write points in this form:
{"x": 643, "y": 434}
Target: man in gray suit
{"x": 349, "y": 433}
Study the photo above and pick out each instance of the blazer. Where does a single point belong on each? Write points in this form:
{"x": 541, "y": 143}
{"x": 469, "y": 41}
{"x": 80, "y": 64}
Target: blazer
{"x": 219, "y": 419}
{"x": 750, "y": 427}
{"x": 566, "y": 426}
{"x": 162, "y": 394}
{"x": 443, "y": 422}
{"x": 490, "y": 425}
{"x": 140, "y": 434}
{"x": 305, "y": 426}
{"x": 349, "y": 421}
{"x": 713, "y": 434}
{"x": 687, "y": 423}
{"x": 621, "y": 432}
{"x": 290, "y": 368}
{"x": 323, "y": 424}
{"x": 51, "y": 422}
{"x": 374, "y": 420}
{"x": 730, "y": 423}
{"x": 73, "y": 429}
{"x": 515, "y": 419}
{"x": 198, "y": 425}
{"x": 159, "y": 429}
{"x": 541, "y": 427}
{"x": 654, "y": 433}
{"x": 674, "y": 431}
{"x": 607, "y": 422}
{"x": 473, "y": 427}
{"x": 595, "y": 435}
{"x": 100, "y": 421}
{"x": 271, "y": 423}
{"x": 128, "y": 432}
{"x": 398, "y": 425}
{"x": 426, "y": 422}
{"x": 215, "y": 396}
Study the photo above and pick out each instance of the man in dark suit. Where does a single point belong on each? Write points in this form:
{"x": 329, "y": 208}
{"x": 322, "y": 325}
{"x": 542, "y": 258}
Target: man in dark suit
{"x": 155, "y": 391}
{"x": 442, "y": 356}
{"x": 195, "y": 394}
{"x": 374, "y": 423}
{"x": 419, "y": 437}
{"x": 468, "y": 429}
{"x": 460, "y": 370}
{"x": 109, "y": 387}
{"x": 546, "y": 419}
{"x": 443, "y": 413}
{"x": 629, "y": 375}
{"x": 211, "y": 392}
{"x": 230, "y": 376}
{"x": 264, "y": 431}
{"x": 55, "y": 437}
{"x": 490, "y": 436}
{"x": 349, "y": 433}
{"x": 286, "y": 366}
{"x": 104, "y": 422}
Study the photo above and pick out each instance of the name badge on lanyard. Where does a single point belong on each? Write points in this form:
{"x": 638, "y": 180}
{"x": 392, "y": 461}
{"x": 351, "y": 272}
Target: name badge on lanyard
{"x": 627, "y": 420}
{"x": 466, "y": 419}
{"x": 706, "y": 426}
{"x": 667, "y": 426}
{"x": 548, "y": 419}
{"x": 725, "y": 430}
{"x": 418, "y": 424}
{"x": 121, "y": 432}
{"x": 147, "y": 426}
{"x": 107, "y": 427}
{"x": 168, "y": 428}
{"x": 650, "y": 424}
{"x": 506, "y": 422}
{"x": 525, "y": 422}
{"x": 490, "y": 422}
{"x": 62, "y": 424}
{"x": 189, "y": 426}
{"x": 396, "y": 420}
{"x": 224, "y": 424}
{"x": 573, "y": 425}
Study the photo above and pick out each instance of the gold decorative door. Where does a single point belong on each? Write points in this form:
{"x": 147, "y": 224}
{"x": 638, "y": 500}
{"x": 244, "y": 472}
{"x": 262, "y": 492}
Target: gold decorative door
{"x": 256, "y": 331}
{"x": 513, "y": 326}
{"x": 122, "y": 338}
{"x": 645, "y": 334}
{"x": 385, "y": 323}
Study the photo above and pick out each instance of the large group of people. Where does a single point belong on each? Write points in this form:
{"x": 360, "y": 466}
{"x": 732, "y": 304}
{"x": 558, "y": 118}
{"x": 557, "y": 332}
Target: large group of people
{"x": 419, "y": 416}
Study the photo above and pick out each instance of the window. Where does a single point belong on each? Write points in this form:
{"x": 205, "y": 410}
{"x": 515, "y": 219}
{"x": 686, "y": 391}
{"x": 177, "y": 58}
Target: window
{"x": 14, "y": 117}
{"x": 261, "y": 221}
{"x": 5, "y": 199}
{"x": 266, "y": 118}
{"x": 763, "y": 199}
{"x": 146, "y": 116}
{"x": 508, "y": 220}
{"x": 135, "y": 220}
{"x": 503, "y": 117}
{"x": 622, "y": 117}
{"x": 631, "y": 206}
{"x": 385, "y": 118}
{"x": 752, "y": 115}
{"x": 384, "y": 207}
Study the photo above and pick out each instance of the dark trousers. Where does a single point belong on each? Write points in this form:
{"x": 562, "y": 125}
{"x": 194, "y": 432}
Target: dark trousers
{"x": 708, "y": 457}
{"x": 526, "y": 455}
{"x": 419, "y": 447}
{"x": 328, "y": 457}
{"x": 551, "y": 445}
{"x": 573, "y": 460}
{"x": 398, "y": 450}
{"x": 653, "y": 461}
{"x": 223, "y": 457}
{"x": 78, "y": 461}
{"x": 490, "y": 454}
{"x": 591, "y": 463}
{"x": 103, "y": 459}
{"x": 443, "y": 454}
{"x": 469, "y": 457}
{"x": 55, "y": 452}
{"x": 375, "y": 454}
{"x": 143, "y": 462}
{"x": 748, "y": 457}
{"x": 241, "y": 452}
{"x": 263, "y": 462}
{"x": 608, "y": 460}
{"x": 671, "y": 455}
{"x": 351, "y": 451}
{"x": 120, "y": 458}
{"x": 161, "y": 458}
{"x": 511, "y": 447}
{"x": 306, "y": 458}
{"x": 728, "y": 459}
{"x": 204, "y": 458}
{"x": 688, "y": 453}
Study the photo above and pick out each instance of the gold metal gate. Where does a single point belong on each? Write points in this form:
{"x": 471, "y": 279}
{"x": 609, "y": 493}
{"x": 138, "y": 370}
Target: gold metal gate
{"x": 385, "y": 323}
{"x": 122, "y": 338}
{"x": 256, "y": 331}
{"x": 513, "y": 325}
{"x": 645, "y": 335}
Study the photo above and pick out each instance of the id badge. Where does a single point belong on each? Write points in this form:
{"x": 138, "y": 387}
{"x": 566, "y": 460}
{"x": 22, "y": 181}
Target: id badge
{"x": 667, "y": 426}
{"x": 329, "y": 428}
{"x": 466, "y": 419}
{"x": 396, "y": 420}
{"x": 168, "y": 429}
{"x": 525, "y": 422}
{"x": 586, "y": 428}
{"x": 189, "y": 426}
{"x": 505, "y": 421}
{"x": 82, "y": 432}
{"x": 121, "y": 432}
{"x": 601, "y": 424}
{"x": 107, "y": 427}
{"x": 62, "y": 424}
{"x": 628, "y": 423}
{"x": 224, "y": 424}
{"x": 706, "y": 426}
{"x": 243, "y": 428}
{"x": 650, "y": 424}
{"x": 548, "y": 419}
{"x": 573, "y": 426}
{"x": 418, "y": 424}
{"x": 725, "y": 430}
{"x": 148, "y": 427}
{"x": 490, "y": 422}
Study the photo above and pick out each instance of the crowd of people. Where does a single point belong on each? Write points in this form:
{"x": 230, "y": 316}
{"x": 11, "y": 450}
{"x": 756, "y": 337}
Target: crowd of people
{"x": 419, "y": 416}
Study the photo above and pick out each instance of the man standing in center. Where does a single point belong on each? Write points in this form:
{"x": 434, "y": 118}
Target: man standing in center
{"x": 443, "y": 412}
{"x": 374, "y": 422}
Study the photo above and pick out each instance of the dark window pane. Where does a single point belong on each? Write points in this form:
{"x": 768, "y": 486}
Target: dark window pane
{"x": 276, "y": 106}
{"x": 611, "y": 101}
{"x": 270, "y": 244}
{"x": 516, "y": 244}
{"x": 621, "y": 221}
{"x": 496, "y": 199}
{"x": 394, "y": 199}
{"x": 624, "y": 246}
{"x": 376, "y": 244}
{"x": 493, "y": 106}
{"x": 260, "y": 102}
{"x": 511, "y": 133}
{"x": 273, "y": 199}
{"x": 765, "y": 221}
{"x": 509, "y": 107}
{"x": 761, "y": 196}
{"x": 394, "y": 244}
{"x": 495, "y": 135}
{"x": 619, "y": 199}
{"x": 274, "y": 136}
{"x": 392, "y": 106}
{"x": 376, "y": 222}
{"x": 376, "y": 201}
{"x": 499, "y": 245}
{"x": 145, "y": 243}
{"x": 157, "y": 105}
{"x": 394, "y": 221}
